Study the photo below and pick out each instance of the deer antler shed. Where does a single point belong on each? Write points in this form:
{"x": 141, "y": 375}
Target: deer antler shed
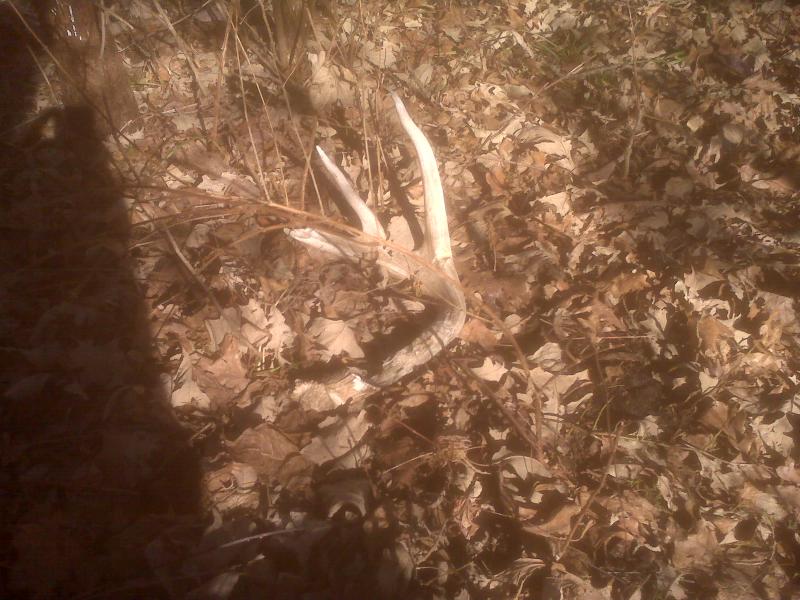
{"x": 433, "y": 267}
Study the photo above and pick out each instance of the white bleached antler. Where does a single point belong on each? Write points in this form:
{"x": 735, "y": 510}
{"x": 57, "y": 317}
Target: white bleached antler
{"x": 436, "y": 270}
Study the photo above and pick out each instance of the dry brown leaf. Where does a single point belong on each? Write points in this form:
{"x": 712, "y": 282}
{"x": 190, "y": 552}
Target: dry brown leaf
{"x": 789, "y": 472}
{"x": 781, "y": 317}
{"x": 558, "y": 525}
{"x": 330, "y": 82}
{"x": 496, "y": 180}
{"x": 698, "y": 551}
{"x": 790, "y": 494}
{"x": 400, "y": 233}
{"x": 714, "y": 337}
{"x": 224, "y": 378}
{"x": 353, "y": 493}
{"x": 346, "y": 304}
{"x": 490, "y": 370}
{"x": 338, "y": 438}
{"x": 549, "y": 357}
{"x": 525, "y": 467}
{"x": 762, "y": 502}
{"x": 551, "y": 143}
{"x": 625, "y": 283}
{"x": 475, "y": 331}
{"x": 280, "y": 335}
{"x": 633, "y": 512}
{"x": 185, "y": 391}
{"x": 336, "y": 337}
{"x": 264, "y": 448}
{"x": 315, "y": 396}
{"x": 232, "y": 487}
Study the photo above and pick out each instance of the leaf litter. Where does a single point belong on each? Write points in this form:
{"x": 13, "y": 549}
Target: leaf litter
{"x": 622, "y": 187}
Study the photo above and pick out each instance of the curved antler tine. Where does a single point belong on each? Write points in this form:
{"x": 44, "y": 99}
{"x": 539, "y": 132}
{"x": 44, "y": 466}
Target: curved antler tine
{"x": 369, "y": 221}
{"x": 443, "y": 283}
{"x": 440, "y": 281}
{"x": 341, "y": 247}
{"x": 437, "y": 234}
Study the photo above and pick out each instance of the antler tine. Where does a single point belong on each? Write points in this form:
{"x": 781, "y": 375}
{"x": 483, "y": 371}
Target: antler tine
{"x": 437, "y": 234}
{"x": 440, "y": 281}
{"x": 443, "y": 283}
{"x": 369, "y": 221}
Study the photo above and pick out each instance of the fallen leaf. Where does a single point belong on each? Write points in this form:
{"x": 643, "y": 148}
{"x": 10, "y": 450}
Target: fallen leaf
{"x": 525, "y": 467}
{"x": 552, "y": 143}
{"x": 336, "y": 337}
{"x": 226, "y": 376}
{"x": 560, "y": 201}
{"x": 625, "y": 283}
{"x": 475, "y": 331}
{"x": 698, "y": 550}
{"x": 264, "y": 448}
{"x": 354, "y": 492}
{"x": 714, "y": 337}
{"x": 185, "y": 391}
{"x": 559, "y": 524}
{"x": 549, "y": 357}
{"x": 490, "y": 370}
{"x": 764, "y": 503}
{"x": 280, "y": 335}
{"x": 336, "y": 439}
{"x": 232, "y": 488}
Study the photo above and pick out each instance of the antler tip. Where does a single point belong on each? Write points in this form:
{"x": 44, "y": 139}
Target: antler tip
{"x": 399, "y": 106}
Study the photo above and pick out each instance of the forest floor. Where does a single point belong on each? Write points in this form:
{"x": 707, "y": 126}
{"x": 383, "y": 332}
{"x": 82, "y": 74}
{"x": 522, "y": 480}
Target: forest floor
{"x": 619, "y": 416}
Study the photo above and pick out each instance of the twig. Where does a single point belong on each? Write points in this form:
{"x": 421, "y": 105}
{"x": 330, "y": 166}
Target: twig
{"x": 579, "y": 520}
{"x": 636, "y": 89}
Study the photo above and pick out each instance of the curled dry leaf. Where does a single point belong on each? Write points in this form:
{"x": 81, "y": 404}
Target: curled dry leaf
{"x": 525, "y": 467}
{"x": 185, "y": 391}
{"x": 232, "y": 487}
{"x": 264, "y": 448}
{"x": 551, "y": 143}
{"x": 475, "y": 331}
{"x": 280, "y": 335}
{"x": 225, "y": 377}
{"x": 352, "y": 493}
{"x": 339, "y": 439}
{"x": 490, "y": 370}
{"x": 697, "y": 551}
{"x": 337, "y": 337}
{"x": 549, "y": 357}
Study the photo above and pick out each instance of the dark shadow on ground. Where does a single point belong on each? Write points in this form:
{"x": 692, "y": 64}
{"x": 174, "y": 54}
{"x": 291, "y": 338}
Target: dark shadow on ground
{"x": 94, "y": 465}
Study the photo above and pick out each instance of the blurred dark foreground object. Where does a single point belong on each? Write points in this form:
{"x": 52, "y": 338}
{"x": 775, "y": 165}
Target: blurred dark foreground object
{"x": 91, "y": 71}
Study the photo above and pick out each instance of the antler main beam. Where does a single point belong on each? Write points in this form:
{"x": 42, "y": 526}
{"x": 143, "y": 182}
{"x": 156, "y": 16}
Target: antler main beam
{"x": 434, "y": 269}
